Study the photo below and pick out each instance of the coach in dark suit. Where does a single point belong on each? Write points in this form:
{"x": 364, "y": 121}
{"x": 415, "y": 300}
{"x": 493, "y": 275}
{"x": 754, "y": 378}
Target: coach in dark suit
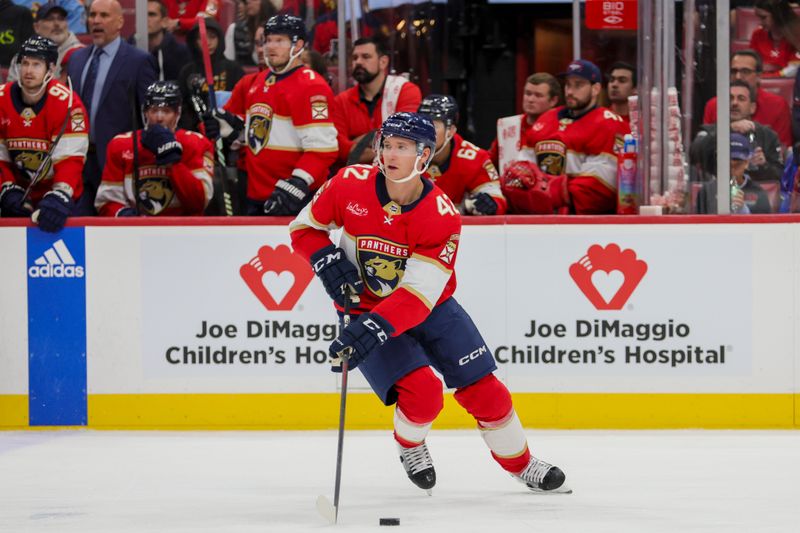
{"x": 104, "y": 75}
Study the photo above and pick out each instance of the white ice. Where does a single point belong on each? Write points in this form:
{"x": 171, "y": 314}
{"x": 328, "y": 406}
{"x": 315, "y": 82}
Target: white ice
{"x": 153, "y": 481}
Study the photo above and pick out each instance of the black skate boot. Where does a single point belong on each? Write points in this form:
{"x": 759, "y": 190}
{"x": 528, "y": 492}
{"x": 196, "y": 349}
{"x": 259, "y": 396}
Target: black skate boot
{"x": 419, "y": 466}
{"x": 543, "y": 477}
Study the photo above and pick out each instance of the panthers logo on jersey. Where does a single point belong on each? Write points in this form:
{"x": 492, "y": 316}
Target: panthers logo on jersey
{"x": 28, "y": 155}
{"x": 155, "y": 190}
{"x": 551, "y": 156}
{"x": 259, "y": 122}
{"x": 382, "y": 264}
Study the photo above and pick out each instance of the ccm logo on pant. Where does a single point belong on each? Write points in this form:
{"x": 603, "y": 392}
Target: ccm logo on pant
{"x": 472, "y": 355}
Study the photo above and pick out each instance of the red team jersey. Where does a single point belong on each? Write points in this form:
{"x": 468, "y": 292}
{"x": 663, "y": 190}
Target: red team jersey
{"x": 584, "y": 149}
{"x": 468, "y": 171}
{"x": 184, "y": 188}
{"x": 288, "y": 129}
{"x": 406, "y": 254}
{"x": 27, "y": 133}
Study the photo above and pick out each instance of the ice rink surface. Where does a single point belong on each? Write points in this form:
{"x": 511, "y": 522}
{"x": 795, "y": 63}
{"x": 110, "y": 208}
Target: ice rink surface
{"x": 253, "y": 481}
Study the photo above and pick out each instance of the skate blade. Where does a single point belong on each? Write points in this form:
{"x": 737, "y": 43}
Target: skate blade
{"x": 563, "y": 489}
{"x": 429, "y": 491}
{"x": 326, "y": 509}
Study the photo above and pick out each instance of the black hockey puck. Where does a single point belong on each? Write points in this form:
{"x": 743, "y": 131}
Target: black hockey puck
{"x": 389, "y": 521}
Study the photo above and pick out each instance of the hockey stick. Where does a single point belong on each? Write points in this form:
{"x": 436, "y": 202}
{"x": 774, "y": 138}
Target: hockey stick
{"x": 324, "y": 506}
{"x": 40, "y": 171}
{"x": 135, "y": 178}
{"x": 212, "y": 101}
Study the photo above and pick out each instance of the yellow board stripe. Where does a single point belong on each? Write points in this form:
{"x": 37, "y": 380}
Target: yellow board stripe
{"x": 13, "y": 410}
{"x": 364, "y": 411}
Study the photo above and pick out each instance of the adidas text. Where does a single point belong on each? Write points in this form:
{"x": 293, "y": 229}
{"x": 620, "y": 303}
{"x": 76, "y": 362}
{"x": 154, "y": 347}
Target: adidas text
{"x": 55, "y": 271}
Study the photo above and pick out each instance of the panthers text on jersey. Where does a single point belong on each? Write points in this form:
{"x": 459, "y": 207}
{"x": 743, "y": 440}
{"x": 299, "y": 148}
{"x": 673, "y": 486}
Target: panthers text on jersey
{"x": 184, "y": 188}
{"x": 288, "y": 129}
{"x": 406, "y": 254}
{"x": 584, "y": 149}
{"x": 468, "y": 171}
{"x": 27, "y": 134}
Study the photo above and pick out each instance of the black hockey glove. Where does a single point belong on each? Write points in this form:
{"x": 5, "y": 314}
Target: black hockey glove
{"x": 223, "y": 124}
{"x": 161, "y": 141}
{"x": 53, "y": 209}
{"x": 288, "y": 198}
{"x": 358, "y": 340}
{"x": 481, "y": 204}
{"x": 127, "y": 212}
{"x": 335, "y": 271}
{"x": 11, "y": 201}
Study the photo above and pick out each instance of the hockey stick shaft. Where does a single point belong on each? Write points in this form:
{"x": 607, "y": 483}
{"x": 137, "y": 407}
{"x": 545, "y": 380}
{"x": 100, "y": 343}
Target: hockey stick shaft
{"x": 135, "y": 138}
{"x": 40, "y": 171}
{"x": 342, "y": 407}
{"x": 212, "y": 104}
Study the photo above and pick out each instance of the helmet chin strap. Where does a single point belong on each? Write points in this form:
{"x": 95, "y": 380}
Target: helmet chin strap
{"x": 447, "y": 138}
{"x": 292, "y": 57}
{"x": 38, "y": 93}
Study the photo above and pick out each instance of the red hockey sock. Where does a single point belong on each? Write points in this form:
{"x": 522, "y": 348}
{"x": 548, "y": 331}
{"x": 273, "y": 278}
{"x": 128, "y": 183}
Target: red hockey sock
{"x": 419, "y": 402}
{"x": 489, "y": 401}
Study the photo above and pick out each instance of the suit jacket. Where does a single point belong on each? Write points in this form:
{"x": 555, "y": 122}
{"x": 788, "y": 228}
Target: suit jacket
{"x": 130, "y": 66}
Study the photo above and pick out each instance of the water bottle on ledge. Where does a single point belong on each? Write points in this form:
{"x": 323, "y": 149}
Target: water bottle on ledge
{"x": 627, "y": 200}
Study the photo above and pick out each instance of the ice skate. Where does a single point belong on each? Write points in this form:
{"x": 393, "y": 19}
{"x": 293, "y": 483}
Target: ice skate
{"x": 543, "y": 477}
{"x": 419, "y": 466}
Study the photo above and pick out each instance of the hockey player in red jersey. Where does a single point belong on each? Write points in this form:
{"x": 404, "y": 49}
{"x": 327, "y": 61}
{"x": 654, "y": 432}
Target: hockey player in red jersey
{"x": 289, "y": 132}
{"x": 43, "y": 137}
{"x": 174, "y": 166}
{"x": 461, "y": 169}
{"x": 398, "y": 250}
{"x": 576, "y": 146}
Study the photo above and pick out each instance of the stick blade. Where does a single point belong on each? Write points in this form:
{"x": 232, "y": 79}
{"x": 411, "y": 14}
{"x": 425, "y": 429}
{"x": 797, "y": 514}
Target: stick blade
{"x": 326, "y": 509}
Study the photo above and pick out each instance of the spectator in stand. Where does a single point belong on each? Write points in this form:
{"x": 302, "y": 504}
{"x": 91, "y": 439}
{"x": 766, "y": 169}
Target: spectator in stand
{"x": 174, "y": 166}
{"x": 16, "y": 25}
{"x": 461, "y": 169}
{"x": 766, "y": 162}
{"x": 747, "y": 196}
{"x": 621, "y": 84}
{"x": 541, "y": 93}
{"x": 240, "y": 37}
{"x": 105, "y": 75}
{"x": 360, "y": 110}
{"x": 316, "y": 62}
{"x": 575, "y": 147}
{"x": 75, "y": 9}
{"x": 771, "y": 109}
{"x": 796, "y": 109}
{"x": 51, "y": 22}
{"x": 778, "y": 38}
{"x": 226, "y": 72}
{"x": 183, "y": 14}
{"x": 171, "y": 55}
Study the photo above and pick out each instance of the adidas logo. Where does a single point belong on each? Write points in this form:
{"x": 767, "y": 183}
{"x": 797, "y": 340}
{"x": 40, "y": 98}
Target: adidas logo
{"x": 56, "y": 262}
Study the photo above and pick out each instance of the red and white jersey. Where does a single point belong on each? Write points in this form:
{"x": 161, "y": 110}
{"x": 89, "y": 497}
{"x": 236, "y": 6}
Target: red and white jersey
{"x": 184, "y": 188}
{"x": 288, "y": 129}
{"x": 584, "y": 149}
{"x": 27, "y": 134}
{"x": 353, "y": 118}
{"x": 467, "y": 171}
{"x": 406, "y": 254}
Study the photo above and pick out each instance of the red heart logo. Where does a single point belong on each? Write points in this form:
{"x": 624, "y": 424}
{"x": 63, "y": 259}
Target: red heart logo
{"x": 277, "y": 260}
{"x": 608, "y": 276}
